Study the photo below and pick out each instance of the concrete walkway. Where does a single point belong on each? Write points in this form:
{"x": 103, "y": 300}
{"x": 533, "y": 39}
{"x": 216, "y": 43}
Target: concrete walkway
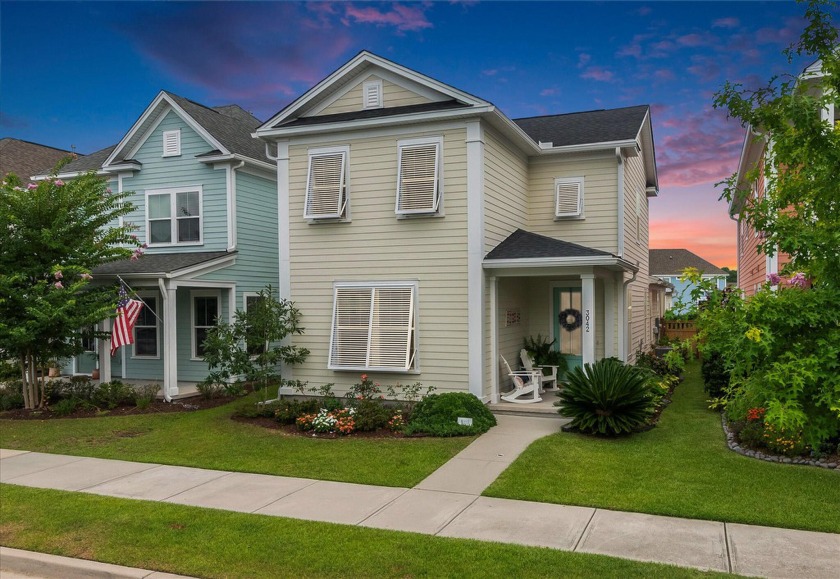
{"x": 447, "y": 504}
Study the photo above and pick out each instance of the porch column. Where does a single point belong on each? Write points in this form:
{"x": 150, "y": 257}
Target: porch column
{"x": 494, "y": 340}
{"x": 105, "y": 354}
{"x": 621, "y": 307}
{"x": 588, "y": 299}
{"x": 170, "y": 342}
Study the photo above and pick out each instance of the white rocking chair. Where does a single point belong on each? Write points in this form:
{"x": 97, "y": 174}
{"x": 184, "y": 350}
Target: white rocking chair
{"x": 524, "y": 383}
{"x": 547, "y": 380}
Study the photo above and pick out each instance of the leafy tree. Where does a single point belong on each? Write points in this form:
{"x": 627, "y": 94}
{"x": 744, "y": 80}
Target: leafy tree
{"x": 52, "y": 235}
{"x": 799, "y": 212}
{"x": 254, "y": 345}
{"x": 731, "y": 275}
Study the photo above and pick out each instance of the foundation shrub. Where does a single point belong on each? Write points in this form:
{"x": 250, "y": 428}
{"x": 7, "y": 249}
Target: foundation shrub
{"x": 111, "y": 394}
{"x": 437, "y": 415}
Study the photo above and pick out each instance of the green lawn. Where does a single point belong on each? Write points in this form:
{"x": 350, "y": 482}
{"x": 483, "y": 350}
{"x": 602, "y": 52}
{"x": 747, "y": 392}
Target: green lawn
{"x": 210, "y": 439}
{"x": 681, "y": 468}
{"x": 209, "y": 543}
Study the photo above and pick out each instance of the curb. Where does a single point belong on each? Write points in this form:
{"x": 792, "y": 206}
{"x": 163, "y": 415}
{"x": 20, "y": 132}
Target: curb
{"x": 34, "y": 564}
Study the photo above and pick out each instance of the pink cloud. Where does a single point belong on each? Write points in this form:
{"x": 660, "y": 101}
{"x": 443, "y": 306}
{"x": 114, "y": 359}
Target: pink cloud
{"x": 583, "y": 59}
{"x": 664, "y": 74}
{"x": 490, "y": 72}
{"x": 548, "y": 92}
{"x": 726, "y": 23}
{"x": 598, "y": 73}
{"x": 693, "y": 40}
{"x": 401, "y": 16}
{"x": 780, "y": 36}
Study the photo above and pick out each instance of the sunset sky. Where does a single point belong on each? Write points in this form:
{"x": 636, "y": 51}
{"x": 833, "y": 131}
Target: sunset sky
{"x": 78, "y": 74}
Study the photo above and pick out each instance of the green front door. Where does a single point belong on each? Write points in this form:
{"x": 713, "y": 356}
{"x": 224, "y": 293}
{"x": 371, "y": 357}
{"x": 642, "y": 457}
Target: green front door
{"x": 568, "y": 320}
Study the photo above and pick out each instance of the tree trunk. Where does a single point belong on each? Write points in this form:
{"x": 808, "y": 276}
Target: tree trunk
{"x": 23, "y": 382}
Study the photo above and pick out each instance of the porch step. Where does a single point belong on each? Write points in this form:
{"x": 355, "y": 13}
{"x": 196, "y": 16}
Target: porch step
{"x": 544, "y": 409}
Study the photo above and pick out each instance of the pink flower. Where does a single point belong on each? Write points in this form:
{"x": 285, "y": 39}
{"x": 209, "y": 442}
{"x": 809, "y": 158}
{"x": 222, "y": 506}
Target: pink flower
{"x": 58, "y": 275}
{"x": 108, "y": 190}
{"x": 799, "y": 280}
{"x": 364, "y": 377}
{"x": 31, "y": 186}
{"x": 134, "y": 257}
{"x": 58, "y": 285}
{"x": 86, "y": 276}
{"x": 774, "y": 279}
{"x": 133, "y": 236}
{"x": 59, "y": 183}
{"x": 145, "y": 245}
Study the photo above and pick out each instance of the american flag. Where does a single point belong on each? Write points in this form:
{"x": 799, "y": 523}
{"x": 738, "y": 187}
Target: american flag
{"x": 127, "y": 312}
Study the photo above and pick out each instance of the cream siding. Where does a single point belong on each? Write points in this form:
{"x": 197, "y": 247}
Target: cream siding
{"x": 637, "y": 252}
{"x": 505, "y": 190}
{"x": 393, "y": 95}
{"x": 374, "y": 245}
{"x": 600, "y": 207}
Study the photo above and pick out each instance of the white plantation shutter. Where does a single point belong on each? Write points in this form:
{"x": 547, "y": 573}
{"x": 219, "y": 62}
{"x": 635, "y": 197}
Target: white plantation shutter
{"x": 372, "y": 94}
{"x": 172, "y": 143}
{"x": 373, "y": 328}
{"x": 325, "y": 186}
{"x": 417, "y": 184}
{"x": 568, "y": 197}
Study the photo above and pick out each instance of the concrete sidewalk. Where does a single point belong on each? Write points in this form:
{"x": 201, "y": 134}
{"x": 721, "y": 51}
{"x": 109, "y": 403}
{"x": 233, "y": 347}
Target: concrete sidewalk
{"x": 447, "y": 504}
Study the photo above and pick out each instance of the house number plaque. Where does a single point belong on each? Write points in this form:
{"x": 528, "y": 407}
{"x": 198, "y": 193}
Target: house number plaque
{"x": 586, "y": 321}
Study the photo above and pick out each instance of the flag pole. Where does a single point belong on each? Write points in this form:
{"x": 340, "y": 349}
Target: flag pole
{"x": 122, "y": 281}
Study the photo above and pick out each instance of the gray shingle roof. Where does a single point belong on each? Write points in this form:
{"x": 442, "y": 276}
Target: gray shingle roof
{"x": 600, "y": 126}
{"x": 674, "y": 261}
{"x": 373, "y": 113}
{"x": 523, "y": 244}
{"x": 91, "y": 162}
{"x": 158, "y": 263}
{"x": 26, "y": 159}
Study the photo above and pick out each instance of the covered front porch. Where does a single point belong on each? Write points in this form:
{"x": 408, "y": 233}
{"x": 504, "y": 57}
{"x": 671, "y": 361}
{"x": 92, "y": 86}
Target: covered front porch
{"x": 573, "y": 296}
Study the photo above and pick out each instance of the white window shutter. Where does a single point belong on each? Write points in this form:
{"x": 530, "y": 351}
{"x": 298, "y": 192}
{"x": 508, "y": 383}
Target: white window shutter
{"x": 568, "y": 197}
{"x": 351, "y": 327}
{"x": 325, "y": 187}
{"x": 171, "y": 143}
{"x": 392, "y": 328}
{"x": 372, "y": 94}
{"x": 417, "y": 187}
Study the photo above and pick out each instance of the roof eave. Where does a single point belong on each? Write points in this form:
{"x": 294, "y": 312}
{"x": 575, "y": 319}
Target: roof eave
{"x": 235, "y": 158}
{"x": 607, "y": 261}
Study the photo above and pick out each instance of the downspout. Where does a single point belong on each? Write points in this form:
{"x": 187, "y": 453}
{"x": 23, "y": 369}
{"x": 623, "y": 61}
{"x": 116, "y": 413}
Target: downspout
{"x": 625, "y": 325}
{"x": 164, "y": 298}
{"x": 737, "y": 250}
{"x": 232, "y": 233}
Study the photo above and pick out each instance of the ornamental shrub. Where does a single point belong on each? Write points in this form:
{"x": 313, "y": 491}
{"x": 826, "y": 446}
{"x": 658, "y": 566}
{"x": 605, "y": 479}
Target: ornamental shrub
{"x": 287, "y": 411}
{"x": 112, "y": 394}
{"x": 437, "y": 415}
{"x": 607, "y": 397}
{"x": 371, "y": 414}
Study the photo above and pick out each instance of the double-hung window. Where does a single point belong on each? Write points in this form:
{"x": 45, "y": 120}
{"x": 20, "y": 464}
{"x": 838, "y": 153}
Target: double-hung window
{"x": 326, "y": 184}
{"x": 373, "y": 327}
{"x": 205, "y": 315}
{"x": 146, "y": 328}
{"x": 419, "y": 176}
{"x": 568, "y": 197}
{"x": 173, "y": 216}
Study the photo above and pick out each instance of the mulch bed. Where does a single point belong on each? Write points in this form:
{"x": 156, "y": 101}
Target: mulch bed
{"x": 156, "y": 407}
{"x": 292, "y": 430}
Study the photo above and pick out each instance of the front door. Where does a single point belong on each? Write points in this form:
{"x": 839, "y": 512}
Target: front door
{"x": 567, "y": 306}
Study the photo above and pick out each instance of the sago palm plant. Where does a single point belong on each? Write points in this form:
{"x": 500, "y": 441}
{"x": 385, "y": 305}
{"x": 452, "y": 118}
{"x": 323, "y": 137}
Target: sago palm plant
{"x": 607, "y": 397}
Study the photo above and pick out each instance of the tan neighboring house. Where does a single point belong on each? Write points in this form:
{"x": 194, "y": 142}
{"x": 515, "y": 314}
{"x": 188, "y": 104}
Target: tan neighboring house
{"x": 424, "y": 234}
{"x": 26, "y": 159}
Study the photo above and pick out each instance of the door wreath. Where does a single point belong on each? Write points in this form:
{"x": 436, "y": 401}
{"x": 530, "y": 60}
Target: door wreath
{"x": 570, "y": 319}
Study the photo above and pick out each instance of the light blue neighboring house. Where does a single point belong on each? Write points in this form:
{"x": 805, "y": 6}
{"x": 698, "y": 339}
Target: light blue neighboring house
{"x": 205, "y": 198}
{"x": 669, "y": 264}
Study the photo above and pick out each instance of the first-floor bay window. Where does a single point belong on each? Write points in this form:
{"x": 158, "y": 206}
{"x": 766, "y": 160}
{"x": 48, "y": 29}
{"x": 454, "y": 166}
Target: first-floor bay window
{"x": 373, "y": 327}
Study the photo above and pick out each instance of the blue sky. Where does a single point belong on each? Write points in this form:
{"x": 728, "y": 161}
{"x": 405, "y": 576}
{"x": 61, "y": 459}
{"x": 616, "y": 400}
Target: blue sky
{"x": 80, "y": 73}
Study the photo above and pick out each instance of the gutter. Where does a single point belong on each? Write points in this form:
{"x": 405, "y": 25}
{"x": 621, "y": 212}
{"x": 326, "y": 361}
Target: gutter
{"x": 528, "y": 262}
{"x": 625, "y": 326}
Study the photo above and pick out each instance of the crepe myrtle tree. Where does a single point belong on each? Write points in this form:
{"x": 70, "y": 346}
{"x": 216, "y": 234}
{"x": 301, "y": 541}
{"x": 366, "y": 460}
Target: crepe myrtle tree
{"x": 52, "y": 235}
{"x": 799, "y": 213}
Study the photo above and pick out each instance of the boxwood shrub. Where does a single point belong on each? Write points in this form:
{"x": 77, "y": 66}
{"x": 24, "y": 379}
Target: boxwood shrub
{"x": 437, "y": 415}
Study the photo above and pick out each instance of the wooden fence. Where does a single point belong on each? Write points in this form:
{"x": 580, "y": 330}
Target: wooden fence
{"x": 680, "y": 329}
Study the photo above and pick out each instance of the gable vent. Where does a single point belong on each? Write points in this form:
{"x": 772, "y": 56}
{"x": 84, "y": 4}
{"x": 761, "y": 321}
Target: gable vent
{"x": 568, "y": 197}
{"x": 372, "y": 94}
{"x": 171, "y": 143}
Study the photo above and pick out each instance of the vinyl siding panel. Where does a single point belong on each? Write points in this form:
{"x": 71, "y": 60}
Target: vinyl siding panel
{"x": 505, "y": 190}
{"x": 160, "y": 172}
{"x": 637, "y": 252}
{"x": 599, "y": 226}
{"x": 374, "y": 245}
{"x": 393, "y": 95}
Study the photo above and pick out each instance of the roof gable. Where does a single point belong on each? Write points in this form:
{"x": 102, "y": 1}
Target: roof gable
{"x": 674, "y": 261}
{"x": 352, "y": 74}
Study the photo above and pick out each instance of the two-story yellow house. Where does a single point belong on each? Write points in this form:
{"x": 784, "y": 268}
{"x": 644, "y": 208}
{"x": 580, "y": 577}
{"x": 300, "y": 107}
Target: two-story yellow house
{"x": 423, "y": 234}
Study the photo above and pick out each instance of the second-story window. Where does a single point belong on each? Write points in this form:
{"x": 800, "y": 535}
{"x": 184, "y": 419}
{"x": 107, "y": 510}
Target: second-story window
{"x": 173, "y": 216}
{"x": 418, "y": 177}
{"x": 326, "y": 184}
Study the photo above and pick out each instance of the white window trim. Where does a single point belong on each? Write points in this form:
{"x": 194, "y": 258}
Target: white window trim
{"x": 344, "y": 214}
{"x": 177, "y": 134}
{"x": 438, "y": 208}
{"x": 569, "y": 216}
{"x": 173, "y": 218}
{"x": 196, "y": 294}
{"x": 377, "y": 84}
{"x": 146, "y": 296}
{"x": 414, "y": 367}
